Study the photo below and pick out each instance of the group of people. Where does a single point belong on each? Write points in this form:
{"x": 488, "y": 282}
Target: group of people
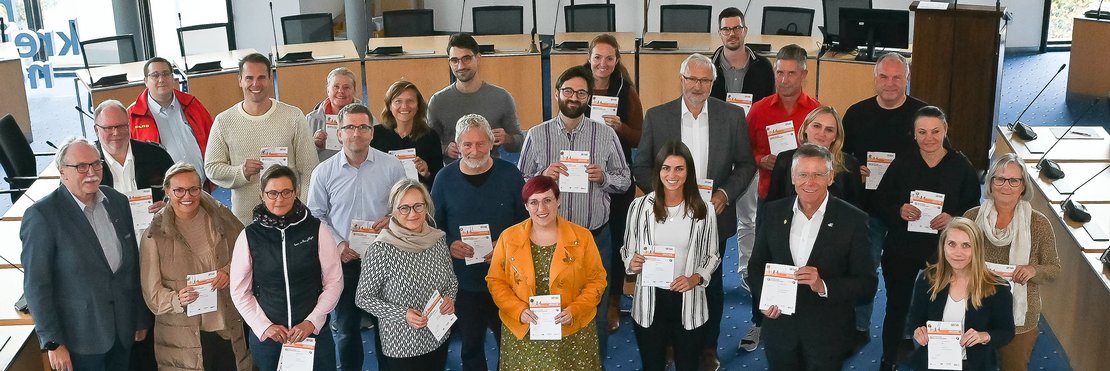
{"x": 325, "y": 234}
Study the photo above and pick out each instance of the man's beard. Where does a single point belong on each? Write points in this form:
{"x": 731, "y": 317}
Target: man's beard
{"x": 571, "y": 112}
{"x": 477, "y": 163}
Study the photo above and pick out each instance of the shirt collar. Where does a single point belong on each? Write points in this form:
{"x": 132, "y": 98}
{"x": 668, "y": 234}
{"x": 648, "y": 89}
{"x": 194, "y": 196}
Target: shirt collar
{"x": 563, "y": 126}
{"x": 158, "y": 107}
{"x": 126, "y": 160}
{"x": 99, "y": 198}
{"x": 345, "y": 163}
{"x": 820, "y": 210}
{"x": 685, "y": 110}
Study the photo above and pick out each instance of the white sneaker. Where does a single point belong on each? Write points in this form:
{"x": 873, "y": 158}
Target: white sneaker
{"x": 750, "y": 341}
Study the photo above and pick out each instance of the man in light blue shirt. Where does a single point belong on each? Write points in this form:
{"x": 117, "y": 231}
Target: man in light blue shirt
{"x": 354, "y": 186}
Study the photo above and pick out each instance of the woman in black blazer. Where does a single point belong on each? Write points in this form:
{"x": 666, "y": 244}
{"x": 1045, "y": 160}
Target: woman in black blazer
{"x": 822, "y": 127}
{"x": 960, "y": 288}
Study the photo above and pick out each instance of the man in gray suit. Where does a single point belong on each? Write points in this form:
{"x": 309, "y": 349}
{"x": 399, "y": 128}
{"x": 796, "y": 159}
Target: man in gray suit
{"x": 82, "y": 266}
{"x": 717, "y": 135}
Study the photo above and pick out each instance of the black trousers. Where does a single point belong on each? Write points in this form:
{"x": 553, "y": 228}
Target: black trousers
{"x": 791, "y": 349}
{"x": 217, "y": 352}
{"x": 142, "y": 352}
{"x": 666, "y": 329}
{"x": 434, "y": 360}
{"x": 618, "y": 215}
{"x": 899, "y": 274}
{"x": 477, "y": 313}
{"x": 715, "y": 297}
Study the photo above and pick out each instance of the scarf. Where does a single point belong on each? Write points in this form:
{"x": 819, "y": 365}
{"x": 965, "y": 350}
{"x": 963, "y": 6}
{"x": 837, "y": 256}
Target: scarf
{"x": 1017, "y": 236}
{"x": 409, "y": 241}
{"x": 263, "y": 216}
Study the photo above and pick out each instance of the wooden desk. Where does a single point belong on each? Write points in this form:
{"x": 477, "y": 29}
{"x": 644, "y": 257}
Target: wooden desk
{"x": 125, "y": 93}
{"x": 21, "y": 349}
{"x": 1087, "y": 69}
{"x": 519, "y": 72}
{"x": 1076, "y": 173}
{"x": 424, "y": 64}
{"x": 1100, "y": 219}
{"x": 10, "y": 292}
{"x": 659, "y": 81}
{"x": 11, "y": 246}
{"x": 306, "y": 83}
{"x": 843, "y": 81}
{"x": 561, "y": 60}
{"x": 39, "y": 189}
{"x": 1069, "y": 150}
{"x": 13, "y": 92}
{"x": 217, "y": 90}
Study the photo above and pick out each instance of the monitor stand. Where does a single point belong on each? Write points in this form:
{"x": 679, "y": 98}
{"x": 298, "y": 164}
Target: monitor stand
{"x": 868, "y": 54}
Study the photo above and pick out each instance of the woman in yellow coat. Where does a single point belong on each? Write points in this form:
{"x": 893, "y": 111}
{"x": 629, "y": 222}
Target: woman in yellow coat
{"x": 547, "y": 255}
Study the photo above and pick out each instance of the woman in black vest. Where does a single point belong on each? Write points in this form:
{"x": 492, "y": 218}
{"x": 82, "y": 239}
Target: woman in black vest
{"x": 285, "y": 275}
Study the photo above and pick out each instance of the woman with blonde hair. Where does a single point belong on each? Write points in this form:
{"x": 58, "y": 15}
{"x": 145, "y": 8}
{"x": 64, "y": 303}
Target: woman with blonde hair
{"x": 822, "y": 127}
{"x": 960, "y": 288}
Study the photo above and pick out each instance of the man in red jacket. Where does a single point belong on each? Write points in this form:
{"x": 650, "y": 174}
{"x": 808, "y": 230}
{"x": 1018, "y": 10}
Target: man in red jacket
{"x": 163, "y": 114}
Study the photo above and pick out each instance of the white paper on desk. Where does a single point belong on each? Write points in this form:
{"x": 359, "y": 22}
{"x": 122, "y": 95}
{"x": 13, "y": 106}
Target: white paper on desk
{"x": 297, "y": 356}
{"x": 658, "y": 269}
{"x": 438, "y": 323}
{"x": 331, "y": 128}
{"x": 271, "y": 156}
{"x": 705, "y": 188}
{"x": 934, "y": 5}
{"x": 140, "y": 201}
{"x": 781, "y": 136}
{"x": 930, "y": 204}
{"x": 1075, "y": 133}
{"x": 743, "y": 100}
{"x": 545, "y": 307}
{"x": 576, "y": 180}
{"x": 877, "y": 162}
{"x": 361, "y": 236}
{"x": 479, "y": 238}
{"x": 1006, "y": 271}
{"x": 945, "y": 352}
{"x": 601, "y": 105}
{"x": 206, "y": 294}
{"x": 780, "y": 288}
{"x": 408, "y": 160}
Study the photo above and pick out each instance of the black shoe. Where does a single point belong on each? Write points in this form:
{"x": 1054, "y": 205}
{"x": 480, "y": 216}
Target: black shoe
{"x": 885, "y": 365}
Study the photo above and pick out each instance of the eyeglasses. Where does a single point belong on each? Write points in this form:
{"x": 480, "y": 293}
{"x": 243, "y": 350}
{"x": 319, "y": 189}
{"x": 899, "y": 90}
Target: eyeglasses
{"x": 84, "y": 167}
{"x": 729, "y": 30}
{"x": 418, "y": 207}
{"x": 999, "y": 181}
{"x": 360, "y": 128}
{"x": 534, "y": 203}
{"x": 808, "y": 176}
{"x": 112, "y": 128}
{"x": 159, "y": 74}
{"x": 697, "y": 81}
{"x": 192, "y": 191}
{"x": 568, "y": 92}
{"x": 273, "y": 195}
{"x": 465, "y": 59}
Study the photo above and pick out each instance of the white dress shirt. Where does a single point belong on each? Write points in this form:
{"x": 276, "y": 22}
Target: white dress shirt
{"x": 803, "y": 231}
{"x": 123, "y": 175}
{"x": 695, "y": 135}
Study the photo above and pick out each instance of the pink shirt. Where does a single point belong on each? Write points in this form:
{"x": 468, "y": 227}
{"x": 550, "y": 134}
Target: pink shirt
{"x": 242, "y": 275}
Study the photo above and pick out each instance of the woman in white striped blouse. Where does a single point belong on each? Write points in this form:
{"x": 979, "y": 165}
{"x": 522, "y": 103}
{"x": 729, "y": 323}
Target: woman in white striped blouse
{"x": 672, "y": 222}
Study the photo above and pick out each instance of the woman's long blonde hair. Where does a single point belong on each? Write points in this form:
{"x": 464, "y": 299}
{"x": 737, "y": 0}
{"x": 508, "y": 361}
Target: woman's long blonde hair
{"x": 837, "y": 149}
{"x": 983, "y": 282}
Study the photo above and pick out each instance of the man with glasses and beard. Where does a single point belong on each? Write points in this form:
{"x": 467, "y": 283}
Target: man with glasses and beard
{"x": 476, "y": 189}
{"x": 607, "y": 171}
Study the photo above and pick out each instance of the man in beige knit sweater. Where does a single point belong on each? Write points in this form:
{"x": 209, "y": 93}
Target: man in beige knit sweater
{"x": 258, "y": 130}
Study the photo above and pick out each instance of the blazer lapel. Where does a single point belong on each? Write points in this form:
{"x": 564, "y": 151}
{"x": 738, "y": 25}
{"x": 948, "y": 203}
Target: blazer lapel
{"x": 783, "y": 243}
{"x": 567, "y": 250}
{"x": 124, "y": 232}
{"x": 826, "y": 235}
{"x": 80, "y": 225}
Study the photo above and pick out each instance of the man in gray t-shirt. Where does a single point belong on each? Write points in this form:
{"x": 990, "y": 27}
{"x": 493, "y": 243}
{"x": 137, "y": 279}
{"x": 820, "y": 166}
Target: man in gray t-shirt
{"x": 469, "y": 94}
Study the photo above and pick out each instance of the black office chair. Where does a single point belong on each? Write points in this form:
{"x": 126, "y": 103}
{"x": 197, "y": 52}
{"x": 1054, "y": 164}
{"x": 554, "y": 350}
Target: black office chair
{"x": 832, "y": 15}
{"x": 685, "y": 18}
{"x": 109, "y": 50}
{"x": 17, "y": 159}
{"x": 408, "y": 22}
{"x": 307, "y": 28}
{"x": 590, "y": 18}
{"x": 205, "y": 38}
{"x": 786, "y": 20}
{"x": 498, "y": 20}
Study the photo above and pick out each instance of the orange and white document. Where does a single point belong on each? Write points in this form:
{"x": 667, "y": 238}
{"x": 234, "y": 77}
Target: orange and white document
{"x": 877, "y": 162}
{"x": 140, "y": 202}
{"x": 945, "y": 352}
{"x": 297, "y": 356}
{"x": 705, "y": 189}
{"x": 781, "y": 136}
{"x": 361, "y": 236}
{"x": 271, "y": 156}
{"x": 780, "y": 288}
{"x": 331, "y": 128}
{"x": 408, "y": 160}
{"x": 576, "y": 180}
{"x": 1006, "y": 271}
{"x": 479, "y": 238}
{"x": 545, "y": 307}
{"x": 742, "y": 100}
{"x": 601, "y": 105}
{"x": 658, "y": 270}
{"x": 931, "y": 204}
{"x": 206, "y": 294}
{"x": 438, "y": 323}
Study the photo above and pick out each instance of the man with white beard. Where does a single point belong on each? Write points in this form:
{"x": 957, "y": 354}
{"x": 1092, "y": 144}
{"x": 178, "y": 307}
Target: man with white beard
{"x": 476, "y": 189}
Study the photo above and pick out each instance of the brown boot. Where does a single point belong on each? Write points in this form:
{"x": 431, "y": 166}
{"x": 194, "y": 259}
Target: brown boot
{"x": 709, "y": 361}
{"x": 614, "y": 313}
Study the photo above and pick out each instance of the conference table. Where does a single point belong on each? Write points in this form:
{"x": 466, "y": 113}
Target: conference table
{"x": 304, "y": 84}
{"x": 125, "y": 92}
{"x": 13, "y": 92}
{"x": 217, "y": 90}
{"x": 1075, "y": 303}
{"x": 39, "y": 189}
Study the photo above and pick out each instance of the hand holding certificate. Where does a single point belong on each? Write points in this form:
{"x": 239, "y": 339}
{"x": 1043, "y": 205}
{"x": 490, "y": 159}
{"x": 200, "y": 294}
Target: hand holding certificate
{"x": 140, "y": 202}
{"x": 202, "y": 284}
{"x": 780, "y": 288}
{"x": 545, "y": 307}
{"x": 362, "y": 235}
{"x": 297, "y": 356}
{"x": 438, "y": 322}
{"x": 658, "y": 270}
{"x": 408, "y": 160}
{"x": 781, "y": 137}
{"x": 271, "y": 156}
{"x": 705, "y": 189}
{"x": 331, "y": 128}
{"x": 877, "y": 163}
{"x": 576, "y": 180}
{"x": 601, "y": 106}
{"x": 945, "y": 352}
{"x": 930, "y": 204}
{"x": 478, "y": 237}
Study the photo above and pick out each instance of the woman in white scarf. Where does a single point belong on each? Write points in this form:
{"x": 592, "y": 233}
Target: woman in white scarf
{"x": 1020, "y": 247}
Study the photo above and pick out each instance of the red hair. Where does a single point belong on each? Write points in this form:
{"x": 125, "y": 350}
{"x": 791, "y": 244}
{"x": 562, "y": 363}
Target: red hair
{"x": 539, "y": 184}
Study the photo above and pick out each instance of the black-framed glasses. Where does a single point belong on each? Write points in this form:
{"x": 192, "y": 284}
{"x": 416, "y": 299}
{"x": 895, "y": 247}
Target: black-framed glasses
{"x": 159, "y": 74}
{"x": 728, "y": 30}
{"x": 999, "y": 181}
{"x": 418, "y": 207}
{"x": 181, "y": 191}
{"x": 273, "y": 195}
{"x": 697, "y": 81}
{"x": 112, "y": 128}
{"x": 359, "y": 128}
{"x": 84, "y": 167}
{"x": 568, "y": 92}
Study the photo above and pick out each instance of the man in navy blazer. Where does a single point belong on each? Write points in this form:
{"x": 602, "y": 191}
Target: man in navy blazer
{"x": 82, "y": 268}
{"x": 717, "y": 135}
{"x": 826, "y": 238}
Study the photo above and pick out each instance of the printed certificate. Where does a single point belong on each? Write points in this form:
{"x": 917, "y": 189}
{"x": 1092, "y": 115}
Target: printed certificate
{"x": 780, "y": 288}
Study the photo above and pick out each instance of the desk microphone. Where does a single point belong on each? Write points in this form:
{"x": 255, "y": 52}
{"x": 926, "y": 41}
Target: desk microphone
{"x": 86, "y": 114}
{"x": 566, "y": 27}
{"x": 1075, "y": 210}
{"x": 1022, "y": 130}
{"x": 273, "y": 26}
{"x": 462, "y": 15}
{"x": 184, "y": 59}
{"x": 534, "y": 48}
{"x": 1050, "y": 169}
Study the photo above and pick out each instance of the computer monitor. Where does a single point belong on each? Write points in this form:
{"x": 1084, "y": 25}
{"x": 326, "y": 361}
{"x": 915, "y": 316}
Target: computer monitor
{"x": 874, "y": 28}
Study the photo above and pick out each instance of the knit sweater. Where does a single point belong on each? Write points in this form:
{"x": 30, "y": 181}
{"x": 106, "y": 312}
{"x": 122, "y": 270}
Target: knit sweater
{"x": 1042, "y": 256}
{"x": 237, "y": 136}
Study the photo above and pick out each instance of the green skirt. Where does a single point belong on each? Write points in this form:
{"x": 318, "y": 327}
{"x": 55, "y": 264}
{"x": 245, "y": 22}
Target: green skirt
{"x": 574, "y": 352}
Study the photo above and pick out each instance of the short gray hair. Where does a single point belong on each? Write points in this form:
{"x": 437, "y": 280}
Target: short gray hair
{"x": 895, "y": 57}
{"x": 1006, "y": 159}
{"x": 697, "y": 58}
{"x": 60, "y": 158}
{"x": 472, "y": 121}
{"x": 810, "y": 150}
{"x": 342, "y": 71}
{"x": 792, "y": 52}
{"x": 106, "y": 105}
{"x": 404, "y": 185}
